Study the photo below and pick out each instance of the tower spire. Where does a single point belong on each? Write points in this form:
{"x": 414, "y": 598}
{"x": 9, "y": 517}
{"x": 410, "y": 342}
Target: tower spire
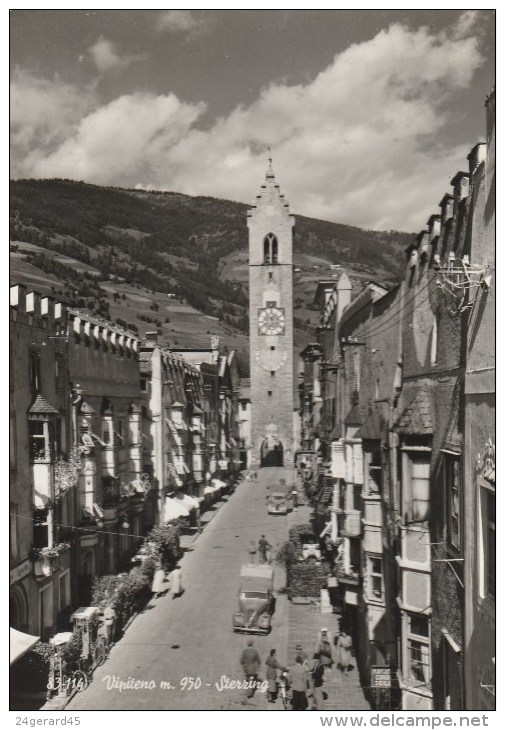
{"x": 270, "y": 169}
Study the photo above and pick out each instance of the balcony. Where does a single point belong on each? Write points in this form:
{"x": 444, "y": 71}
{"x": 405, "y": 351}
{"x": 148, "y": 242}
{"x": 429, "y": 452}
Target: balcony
{"x": 351, "y": 523}
{"x": 46, "y": 560}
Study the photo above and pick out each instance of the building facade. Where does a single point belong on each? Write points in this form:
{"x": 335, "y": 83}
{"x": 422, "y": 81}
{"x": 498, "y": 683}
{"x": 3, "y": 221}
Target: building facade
{"x": 271, "y": 327}
{"x": 405, "y": 431}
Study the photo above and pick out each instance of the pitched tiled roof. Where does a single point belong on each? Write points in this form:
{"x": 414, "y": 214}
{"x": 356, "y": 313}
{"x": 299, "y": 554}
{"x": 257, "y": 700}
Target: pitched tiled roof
{"x": 336, "y": 432}
{"x": 353, "y": 418}
{"x": 40, "y": 405}
{"x": 417, "y": 419}
{"x": 373, "y": 428}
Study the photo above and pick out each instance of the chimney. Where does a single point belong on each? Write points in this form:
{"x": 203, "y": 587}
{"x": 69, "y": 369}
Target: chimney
{"x": 33, "y": 302}
{"x": 476, "y": 156}
{"x": 18, "y": 296}
{"x": 461, "y": 184}
{"x": 446, "y": 209}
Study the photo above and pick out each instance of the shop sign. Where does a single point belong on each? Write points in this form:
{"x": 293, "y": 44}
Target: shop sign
{"x": 20, "y": 571}
{"x": 382, "y": 676}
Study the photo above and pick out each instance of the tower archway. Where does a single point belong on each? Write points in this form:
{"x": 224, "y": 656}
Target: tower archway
{"x": 272, "y": 453}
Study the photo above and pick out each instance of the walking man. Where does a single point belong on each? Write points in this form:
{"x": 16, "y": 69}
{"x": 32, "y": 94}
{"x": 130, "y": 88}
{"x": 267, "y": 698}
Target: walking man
{"x": 299, "y": 681}
{"x": 317, "y": 683}
{"x": 263, "y": 546}
{"x": 250, "y": 661}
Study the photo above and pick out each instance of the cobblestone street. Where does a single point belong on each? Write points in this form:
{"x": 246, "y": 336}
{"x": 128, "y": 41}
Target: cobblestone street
{"x": 192, "y": 636}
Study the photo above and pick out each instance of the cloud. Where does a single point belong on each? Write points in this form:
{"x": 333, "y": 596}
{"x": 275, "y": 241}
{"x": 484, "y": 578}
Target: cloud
{"x": 106, "y": 58}
{"x": 131, "y": 137}
{"x": 358, "y": 144}
{"x": 43, "y": 113}
{"x": 180, "y": 21}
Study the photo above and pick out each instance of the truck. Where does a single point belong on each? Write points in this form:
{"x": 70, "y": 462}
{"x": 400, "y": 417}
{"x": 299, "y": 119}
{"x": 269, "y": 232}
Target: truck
{"x": 255, "y": 599}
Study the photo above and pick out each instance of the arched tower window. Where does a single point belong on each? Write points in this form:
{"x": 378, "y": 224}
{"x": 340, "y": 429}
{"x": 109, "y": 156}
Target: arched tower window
{"x": 270, "y": 249}
{"x": 266, "y": 251}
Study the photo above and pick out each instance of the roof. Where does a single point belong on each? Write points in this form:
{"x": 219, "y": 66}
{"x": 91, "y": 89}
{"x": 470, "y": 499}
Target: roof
{"x": 373, "y": 428}
{"x": 353, "y": 418}
{"x": 336, "y": 432}
{"x": 86, "y": 409}
{"x": 40, "y": 405}
{"x": 417, "y": 418}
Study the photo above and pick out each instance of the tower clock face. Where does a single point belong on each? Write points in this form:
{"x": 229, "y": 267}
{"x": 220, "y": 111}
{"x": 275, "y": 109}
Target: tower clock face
{"x": 271, "y": 321}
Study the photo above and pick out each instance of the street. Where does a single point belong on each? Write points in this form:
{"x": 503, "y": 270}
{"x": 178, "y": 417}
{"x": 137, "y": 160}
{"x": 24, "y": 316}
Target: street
{"x": 174, "y": 640}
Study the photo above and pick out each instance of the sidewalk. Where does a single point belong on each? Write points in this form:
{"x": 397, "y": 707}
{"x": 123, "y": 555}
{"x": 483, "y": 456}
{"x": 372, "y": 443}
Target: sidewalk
{"x": 305, "y": 621}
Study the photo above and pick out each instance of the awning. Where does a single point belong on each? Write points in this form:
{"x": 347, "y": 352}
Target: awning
{"x": 20, "y": 644}
{"x": 187, "y": 501}
{"x": 218, "y": 483}
{"x": 210, "y": 490}
{"x": 174, "y": 509}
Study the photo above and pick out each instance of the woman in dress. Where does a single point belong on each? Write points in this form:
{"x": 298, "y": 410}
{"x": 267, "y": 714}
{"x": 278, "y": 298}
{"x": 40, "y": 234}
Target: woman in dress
{"x": 158, "y": 585}
{"x": 176, "y": 582}
{"x": 345, "y": 658}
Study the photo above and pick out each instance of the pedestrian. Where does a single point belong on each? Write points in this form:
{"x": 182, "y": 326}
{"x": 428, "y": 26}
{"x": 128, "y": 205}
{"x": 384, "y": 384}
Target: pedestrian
{"x": 250, "y": 661}
{"x": 298, "y": 678}
{"x": 176, "y": 582}
{"x": 317, "y": 676}
{"x": 271, "y": 674}
{"x": 109, "y": 622}
{"x": 252, "y": 551}
{"x": 158, "y": 585}
{"x": 303, "y": 654}
{"x": 323, "y": 647}
{"x": 344, "y": 653}
{"x": 263, "y": 546}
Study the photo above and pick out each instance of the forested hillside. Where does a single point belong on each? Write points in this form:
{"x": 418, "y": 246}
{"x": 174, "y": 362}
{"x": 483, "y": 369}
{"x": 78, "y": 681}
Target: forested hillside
{"x": 91, "y": 245}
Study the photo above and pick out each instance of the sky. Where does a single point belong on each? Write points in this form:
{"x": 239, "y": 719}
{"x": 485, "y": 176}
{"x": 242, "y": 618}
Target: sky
{"x": 368, "y": 113}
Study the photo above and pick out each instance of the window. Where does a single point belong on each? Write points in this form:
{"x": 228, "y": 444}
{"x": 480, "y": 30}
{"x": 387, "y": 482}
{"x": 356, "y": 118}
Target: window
{"x": 418, "y": 644}
{"x": 270, "y": 249}
{"x": 64, "y": 590}
{"x": 272, "y": 347}
{"x": 356, "y": 373}
{"x": 272, "y": 373}
{"x": 416, "y": 486}
{"x": 374, "y": 471}
{"x": 434, "y": 343}
{"x": 37, "y": 434}
{"x": 107, "y": 432}
{"x": 487, "y": 540}
{"x": 46, "y": 612}
{"x": 143, "y": 385}
{"x": 35, "y": 382}
{"x": 452, "y": 491}
{"x": 274, "y": 250}
{"x": 375, "y": 580}
{"x": 59, "y": 371}
{"x": 269, "y": 393}
{"x": 13, "y": 521}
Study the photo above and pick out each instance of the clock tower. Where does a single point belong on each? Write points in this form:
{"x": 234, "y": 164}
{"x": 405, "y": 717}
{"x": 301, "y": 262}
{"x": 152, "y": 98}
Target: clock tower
{"x": 271, "y": 326}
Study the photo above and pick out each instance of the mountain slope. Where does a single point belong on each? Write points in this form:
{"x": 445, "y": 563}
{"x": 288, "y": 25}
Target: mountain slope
{"x": 96, "y": 247}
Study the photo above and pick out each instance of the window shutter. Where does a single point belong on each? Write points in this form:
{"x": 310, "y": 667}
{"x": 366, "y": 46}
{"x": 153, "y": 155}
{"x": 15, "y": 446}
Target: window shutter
{"x": 358, "y": 464}
{"x": 348, "y": 463}
{"x": 338, "y": 466}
